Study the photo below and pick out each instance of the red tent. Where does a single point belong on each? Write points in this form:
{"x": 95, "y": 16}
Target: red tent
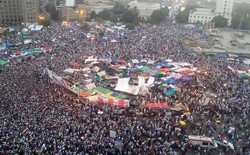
{"x": 165, "y": 70}
{"x": 18, "y": 53}
{"x": 75, "y": 64}
{"x": 116, "y": 66}
{"x": 46, "y": 45}
{"x": 157, "y": 105}
{"x": 122, "y": 61}
{"x": 185, "y": 72}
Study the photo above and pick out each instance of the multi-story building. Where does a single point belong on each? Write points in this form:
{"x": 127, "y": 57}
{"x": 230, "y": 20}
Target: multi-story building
{"x": 30, "y": 11}
{"x": 204, "y": 15}
{"x": 14, "y": 12}
{"x": 224, "y": 8}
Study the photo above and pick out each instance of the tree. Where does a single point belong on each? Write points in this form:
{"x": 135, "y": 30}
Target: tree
{"x": 159, "y": 15}
{"x": 51, "y": 9}
{"x": 182, "y": 16}
{"x": 85, "y": 27}
{"x": 105, "y": 14}
{"x": 130, "y": 26}
{"x": 92, "y": 15}
{"x": 45, "y": 22}
{"x": 130, "y": 16}
{"x": 220, "y": 21}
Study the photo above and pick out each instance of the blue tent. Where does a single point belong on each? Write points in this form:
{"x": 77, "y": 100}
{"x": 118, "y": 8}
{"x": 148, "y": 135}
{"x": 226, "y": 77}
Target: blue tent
{"x": 169, "y": 92}
{"x": 115, "y": 60}
{"x": 8, "y": 44}
{"x": 170, "y": 80}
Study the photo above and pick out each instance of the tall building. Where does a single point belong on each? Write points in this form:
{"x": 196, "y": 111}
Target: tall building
{"x": 224, "y": 8}
{"x": 14, "y": 12}
{"x": 30, "y": 11}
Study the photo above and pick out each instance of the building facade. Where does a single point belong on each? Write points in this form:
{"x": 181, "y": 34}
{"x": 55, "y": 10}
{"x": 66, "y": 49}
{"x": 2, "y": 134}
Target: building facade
{"x": 204, "y": 15}
{"x": 145, "y": 9}
{"x": 30, "y": 11}
{"x": 15, "y": 12}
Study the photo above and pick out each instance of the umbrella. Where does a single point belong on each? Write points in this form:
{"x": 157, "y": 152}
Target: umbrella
{"x": 75, "y": 64}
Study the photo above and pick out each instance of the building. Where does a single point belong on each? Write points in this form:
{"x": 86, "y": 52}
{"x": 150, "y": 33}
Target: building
{"x": 46, "y": 2}
{"x": 145, "y": 9}
{"x": 30, "y": 12}
{"x": 16, "y": 12}
{"x": 202, "y": 15}
{"x": 223, "y": 8}
{"x": 70, "y": 13}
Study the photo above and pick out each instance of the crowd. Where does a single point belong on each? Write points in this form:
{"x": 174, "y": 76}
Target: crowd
{"x": 37, "y": 117}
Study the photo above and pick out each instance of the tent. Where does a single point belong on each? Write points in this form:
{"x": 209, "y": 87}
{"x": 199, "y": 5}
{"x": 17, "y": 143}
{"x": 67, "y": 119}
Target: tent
{"x": 157, "y": 105}
{"x": 170, "y": 80}
{"x": 144, "y": 68}
{"x": 3, "y": 63}
{"x": 102, "y": 90}
{"x": 187, "y": 78}
{"x": 169, "y": 92}
{"x": 75, "y": 64}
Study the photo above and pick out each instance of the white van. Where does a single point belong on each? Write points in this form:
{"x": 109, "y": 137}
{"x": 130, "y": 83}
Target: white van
{"x": 202, "y": 141}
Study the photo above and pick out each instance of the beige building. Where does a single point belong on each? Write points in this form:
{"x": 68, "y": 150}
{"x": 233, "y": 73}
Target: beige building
{"x": 71, "y": 14}
{"x": 204, "y": 15}
{"x": 13, "y": 12}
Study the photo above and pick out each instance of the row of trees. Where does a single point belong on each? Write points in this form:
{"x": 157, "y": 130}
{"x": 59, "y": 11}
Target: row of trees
{"x": 241, "y": 16}
{"x": 119, "y": 13}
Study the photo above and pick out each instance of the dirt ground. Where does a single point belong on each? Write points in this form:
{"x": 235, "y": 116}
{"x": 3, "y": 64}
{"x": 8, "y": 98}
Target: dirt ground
{"x": 229, "y": 34}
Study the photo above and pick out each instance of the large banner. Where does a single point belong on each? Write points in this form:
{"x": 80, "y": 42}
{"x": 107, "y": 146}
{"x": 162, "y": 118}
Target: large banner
{"x": 57, "y": 79}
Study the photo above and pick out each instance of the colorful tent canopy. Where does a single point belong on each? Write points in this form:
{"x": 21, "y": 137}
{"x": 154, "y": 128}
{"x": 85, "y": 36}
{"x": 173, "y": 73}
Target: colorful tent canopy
{"x": 144, "y": 68}
{"x": 157, "y": 105}
{"x": 75, "y": 64}
{"x": 170, "y": 80}
{"x": 3, "y": 62}
{"x": 103, "y": 90}
{"x": 78, "y": 90}
{"x": 169, "y": 92}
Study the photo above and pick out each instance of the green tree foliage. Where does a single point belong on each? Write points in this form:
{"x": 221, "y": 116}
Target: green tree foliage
{"x": 45, "y": 22}
{"x": 105, "y": 14}
{"x": 182, "y": 17}
{"x": 241, "y": 16}
{"x": 130, "y": 26}
{"x": 51, "y": 9}
{"x": 118, "y": 9}
{"x": 86, "y": 27}
{"x": 92, "y": 15}
{"x": 130, "y": 16}
{"x": 220, "y": 21}
{"x": 159, "y": 15}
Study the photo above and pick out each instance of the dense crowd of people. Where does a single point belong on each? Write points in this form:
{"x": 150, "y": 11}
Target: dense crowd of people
{"x": 37, "y": 117}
